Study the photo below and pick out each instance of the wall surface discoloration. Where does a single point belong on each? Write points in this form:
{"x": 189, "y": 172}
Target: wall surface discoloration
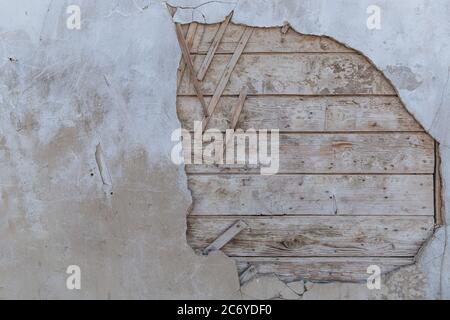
{"x": 62, "y": 92}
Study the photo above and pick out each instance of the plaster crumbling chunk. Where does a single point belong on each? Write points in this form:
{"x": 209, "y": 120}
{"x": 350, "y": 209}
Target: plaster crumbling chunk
{"x": 267, "y": 287}
{"x": 297, "y": 286}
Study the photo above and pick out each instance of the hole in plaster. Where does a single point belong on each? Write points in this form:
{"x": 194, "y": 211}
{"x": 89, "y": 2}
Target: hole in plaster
{"x": 333, "y": 104}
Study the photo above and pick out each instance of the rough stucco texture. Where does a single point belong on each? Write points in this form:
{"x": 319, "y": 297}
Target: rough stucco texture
{"x": 64, "y": 93}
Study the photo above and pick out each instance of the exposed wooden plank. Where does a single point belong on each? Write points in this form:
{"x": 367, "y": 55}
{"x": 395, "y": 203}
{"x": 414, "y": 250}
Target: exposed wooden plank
{"x": 265, "y": 40}
{"x": 348, "y": 113}
{"x": 228, "y": 234}
{"x": 296, "y": 73}
{"x": 314, "y": 236}
{"x": 189, "y": 39}
{"x": 341, "y": 153}
{"x": 312, "y": 194}
{"x": 322, "y": 269}
{"x": 212, "y": 49}
{"x": 226, "y": 74}
{"x": 188, "y": 61}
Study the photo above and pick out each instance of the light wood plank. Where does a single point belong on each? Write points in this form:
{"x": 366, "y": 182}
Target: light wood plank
{"x": 247, "y": 274}
{"x": 314, "y": 236}
{"x": 265, "y": 40}
{"x": 226, "y": 74}
{"x": 321, "y": 269}
{"x": 297, "y": 73}
{"x": 312, "y": 194}
{"x": 189, "y": 40}
{"x": 212, "y": 49}
{"x": 304, "y": 113}
{"x": 340, "y": 153}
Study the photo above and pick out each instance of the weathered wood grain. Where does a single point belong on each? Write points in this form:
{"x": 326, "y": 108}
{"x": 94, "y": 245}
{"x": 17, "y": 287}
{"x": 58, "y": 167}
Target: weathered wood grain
{"x": 314, "y": 236}
{"x": 225, "y": 236}
{"x": 312, "y": 194}
{"x": 265, "y": 40}
{"x": 320, "y": 268}
{"x": 237, "y": 108}
{"x": 350, "y": 113}
{"x": 341, "y": 153}
{"x": 296, "y": 73}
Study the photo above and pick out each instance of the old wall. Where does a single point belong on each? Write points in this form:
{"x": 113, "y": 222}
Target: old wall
{"x": 75, "y": 101}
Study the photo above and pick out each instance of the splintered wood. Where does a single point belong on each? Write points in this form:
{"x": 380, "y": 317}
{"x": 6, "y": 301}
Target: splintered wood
{"x": 357, "y": 182}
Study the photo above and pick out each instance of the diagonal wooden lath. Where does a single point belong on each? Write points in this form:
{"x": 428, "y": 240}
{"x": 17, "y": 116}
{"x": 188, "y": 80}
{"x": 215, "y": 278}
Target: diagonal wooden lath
{"x": 189, "y": 41}
{"x": 226, "y": 74}
{"x": 187, "y": 59}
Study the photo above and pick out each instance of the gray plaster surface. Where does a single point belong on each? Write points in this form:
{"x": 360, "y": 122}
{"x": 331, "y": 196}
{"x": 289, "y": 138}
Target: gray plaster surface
{"x": 72, "y": 100}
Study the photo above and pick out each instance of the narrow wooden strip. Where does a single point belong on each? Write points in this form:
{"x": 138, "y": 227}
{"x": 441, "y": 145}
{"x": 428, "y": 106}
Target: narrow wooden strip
{"x": 312, "y": 194}
{"x": 348, "y": 113}
{"x": 320, "y": 268}
{"x": 295, "y": 74}
{"x": 226, "y": 74}
{"x": 225, "y": 237}
{"x": 213, "y": 48}
{"x": 189, "y": 64}
{"x": 338, "y": 153}
{"x": 265, "y": 40}
{"x": 440, "y": 219}
{"x": 189, "y": 41}
{"x": 314, "y": 236}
